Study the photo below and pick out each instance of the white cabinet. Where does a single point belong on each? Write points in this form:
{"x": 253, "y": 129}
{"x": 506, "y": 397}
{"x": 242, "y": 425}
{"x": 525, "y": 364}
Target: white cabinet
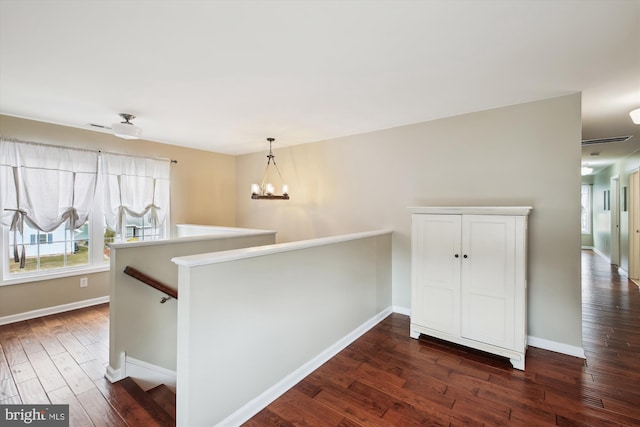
{"x": 469, "y": 277}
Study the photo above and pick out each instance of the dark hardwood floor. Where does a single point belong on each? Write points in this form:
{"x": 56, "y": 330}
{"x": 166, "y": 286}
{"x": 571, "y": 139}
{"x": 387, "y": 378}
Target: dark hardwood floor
{"x": 384, "y": 378}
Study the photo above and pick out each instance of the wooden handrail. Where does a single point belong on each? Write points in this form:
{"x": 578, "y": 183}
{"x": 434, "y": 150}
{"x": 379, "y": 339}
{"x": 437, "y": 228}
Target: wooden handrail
{"x": 137, "y": 274}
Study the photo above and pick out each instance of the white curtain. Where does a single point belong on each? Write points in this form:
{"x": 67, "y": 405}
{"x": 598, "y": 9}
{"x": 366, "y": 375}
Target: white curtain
{"x": 134, "y": 186}
{"x": 45, "y": 186}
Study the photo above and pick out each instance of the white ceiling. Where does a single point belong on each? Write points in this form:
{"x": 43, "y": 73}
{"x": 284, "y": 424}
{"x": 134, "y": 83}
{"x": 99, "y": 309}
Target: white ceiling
{"x": 224, "y": 75}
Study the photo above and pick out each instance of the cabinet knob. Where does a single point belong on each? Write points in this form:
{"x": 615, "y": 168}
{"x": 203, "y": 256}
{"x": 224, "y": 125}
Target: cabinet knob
{"x": 464, "y": 256}
{"x": 457, "y": 256}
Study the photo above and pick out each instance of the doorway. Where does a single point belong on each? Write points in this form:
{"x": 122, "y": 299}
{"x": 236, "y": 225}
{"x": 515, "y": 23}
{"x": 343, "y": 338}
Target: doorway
{"x": 634, "y": 225}
{"x": 615, "y": 219}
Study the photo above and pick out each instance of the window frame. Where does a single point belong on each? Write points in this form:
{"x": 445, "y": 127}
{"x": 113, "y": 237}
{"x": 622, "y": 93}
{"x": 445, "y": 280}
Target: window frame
{"x": 96, "y": 264}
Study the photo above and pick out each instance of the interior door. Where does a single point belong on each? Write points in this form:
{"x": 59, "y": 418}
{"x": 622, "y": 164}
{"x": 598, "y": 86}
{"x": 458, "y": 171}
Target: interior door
{"x": 615, "y": 220}
{"x": 435, "y": 299}
{"x": 488, "y": 279}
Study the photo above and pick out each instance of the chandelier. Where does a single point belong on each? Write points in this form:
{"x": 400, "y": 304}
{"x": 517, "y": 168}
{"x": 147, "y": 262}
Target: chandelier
{"x": 266, "y": 190}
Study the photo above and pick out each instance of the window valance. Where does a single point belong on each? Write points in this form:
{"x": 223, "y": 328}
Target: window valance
{"x": 134, "y": 186}
{"x": 45, "y": 186}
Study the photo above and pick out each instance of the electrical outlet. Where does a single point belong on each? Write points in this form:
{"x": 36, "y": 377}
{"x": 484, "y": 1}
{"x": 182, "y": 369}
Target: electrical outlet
{"x": 84, "y": 282}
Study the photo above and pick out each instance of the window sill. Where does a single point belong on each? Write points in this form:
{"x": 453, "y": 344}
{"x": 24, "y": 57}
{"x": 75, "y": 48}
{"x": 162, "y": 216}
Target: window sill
{"x": 38, "y": 277}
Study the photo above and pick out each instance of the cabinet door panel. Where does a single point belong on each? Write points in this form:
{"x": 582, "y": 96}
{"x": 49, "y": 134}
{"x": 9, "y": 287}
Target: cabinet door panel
{"x": 488, "y": 279}
{"x": 435, "y": 299}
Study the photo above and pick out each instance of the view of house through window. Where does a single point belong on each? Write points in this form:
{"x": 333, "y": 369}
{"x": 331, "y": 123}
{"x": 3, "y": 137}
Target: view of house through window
{"x": 142, "y": 229}
{"x": 136, "y": 229}
{"x": 34, "y": 250}
{"x": 62, "y": 248}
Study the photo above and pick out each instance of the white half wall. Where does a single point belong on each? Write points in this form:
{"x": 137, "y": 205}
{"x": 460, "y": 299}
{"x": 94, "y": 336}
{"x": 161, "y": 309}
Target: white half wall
{"x": 248, "y": 319}
{"x": 139, "y": 325}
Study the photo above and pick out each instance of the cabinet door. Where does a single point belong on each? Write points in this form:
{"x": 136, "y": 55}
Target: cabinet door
{"x": 435, "y": 298}
{"x": 488, "y": 279}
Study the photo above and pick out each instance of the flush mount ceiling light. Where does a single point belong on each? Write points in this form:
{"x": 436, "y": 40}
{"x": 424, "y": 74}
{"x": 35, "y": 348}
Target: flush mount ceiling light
{"x": 266, "y": 190}
{"x": 635, "y": 116}
{"x": 586, "y": 170}
{"x": 126, "y": 129}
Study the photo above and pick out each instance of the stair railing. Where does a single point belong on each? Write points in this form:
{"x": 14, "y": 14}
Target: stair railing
{"x": 148, "y": 280}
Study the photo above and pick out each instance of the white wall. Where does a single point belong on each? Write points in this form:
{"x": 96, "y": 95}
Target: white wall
{"x": 245, "y": 325}
{"x": 527, "y": 154}
{"x": 139, "y": 325}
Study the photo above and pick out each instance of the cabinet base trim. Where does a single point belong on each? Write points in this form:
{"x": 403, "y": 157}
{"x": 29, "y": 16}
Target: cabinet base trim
{"x": 517, "y": 358}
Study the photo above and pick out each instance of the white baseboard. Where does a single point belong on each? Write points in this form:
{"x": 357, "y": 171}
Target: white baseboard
{"x": 602, "y": 254}
{"x": 4, "y": 320}
{"x": 621, "y": 270}
{"x": 401, "y": 310}
{"x": 556, "y": 347}
{"x": 256, "y": 405}
{"x": 148, "y": 376}
{"x": 114, "y": 375}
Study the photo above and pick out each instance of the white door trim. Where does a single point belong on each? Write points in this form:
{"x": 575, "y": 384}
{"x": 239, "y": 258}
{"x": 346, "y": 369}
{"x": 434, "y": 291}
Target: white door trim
{"x": 634, "y": 224}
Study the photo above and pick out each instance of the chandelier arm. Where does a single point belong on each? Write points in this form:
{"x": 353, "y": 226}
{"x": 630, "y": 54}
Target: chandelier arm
{"x": 278, "y": 170}
{"x": 265, "y": 176}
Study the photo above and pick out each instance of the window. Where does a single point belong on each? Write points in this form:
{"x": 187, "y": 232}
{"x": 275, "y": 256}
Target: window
{"x": 586, "y": 209}
{"x": 58, "y": 218}
{"x": 48, "y": 251}
{"x": 142, "y": 229}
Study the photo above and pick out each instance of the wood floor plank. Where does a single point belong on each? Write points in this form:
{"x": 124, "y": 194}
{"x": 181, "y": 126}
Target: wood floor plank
{"x": 74, "y": 376}
{"x": 47, "y": 372}
{"x": 165, "y": 398}
{"x": 5, "y": 371}
{"x": 304, "y": 402}
{"x": 31, "y": 392}
{"x": 352, "y": 407}
{"x": 8, "y": 389}
{"x": 75, "y": 348}
{"x": 78, "y": 417}
{"x": 99, "y": 410}
{"x": 130, "y": 409}
{"x": 21, "y": 327}
{"x": 30, "y": 343}
{"x": 48, "y": 340}
{"x": 100, "y": 351}
{"x": 143, "y": 405}
{"x": 23, "y": 372}
{"x": 268, "y": 417}
{"x": 94, "y": 369}
{"x": 14, "y": 400}
{"x": 13, "y": 351}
